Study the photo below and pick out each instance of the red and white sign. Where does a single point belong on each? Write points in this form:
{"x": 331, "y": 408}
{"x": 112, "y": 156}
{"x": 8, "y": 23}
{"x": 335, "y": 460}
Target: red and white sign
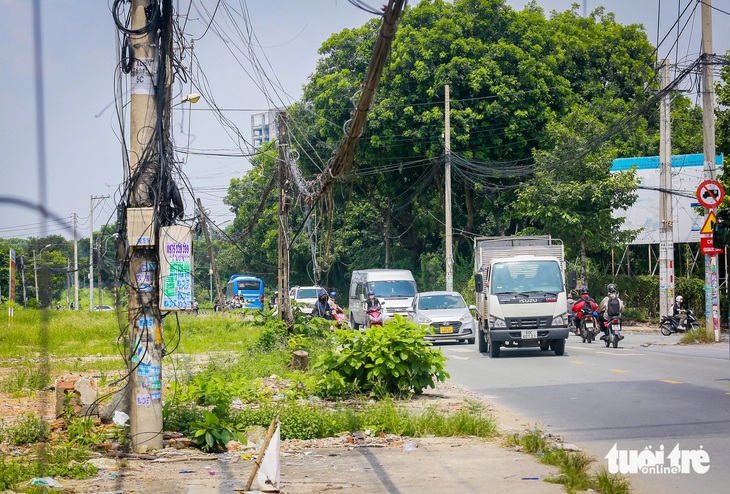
{"x": 707, "y": 247}
{"x": 710, "y": 193}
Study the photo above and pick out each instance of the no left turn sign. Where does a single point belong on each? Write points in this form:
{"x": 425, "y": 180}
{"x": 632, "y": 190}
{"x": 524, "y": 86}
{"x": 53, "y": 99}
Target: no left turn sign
{"x": 710, "y": 193}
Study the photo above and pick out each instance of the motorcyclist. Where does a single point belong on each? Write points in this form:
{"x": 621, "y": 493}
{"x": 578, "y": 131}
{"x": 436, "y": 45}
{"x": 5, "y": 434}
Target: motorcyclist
{"x": 372, "y": 301}
{"x": 333, "y": 303}
{"x": 274, "y": 301}
{"x": 679, "y": 311}
{"x": 585, "y": 300}
{"x": 322, "y": 306}
{"x": 569, "y": 303}
{"x": 607, "y": 308}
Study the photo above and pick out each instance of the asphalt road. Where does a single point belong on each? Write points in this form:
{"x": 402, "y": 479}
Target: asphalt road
{"x": 647, "y": 394}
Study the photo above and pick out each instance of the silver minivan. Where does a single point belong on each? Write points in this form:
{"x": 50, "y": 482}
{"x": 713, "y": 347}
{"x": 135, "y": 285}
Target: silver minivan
{"x": 394, "y": 288}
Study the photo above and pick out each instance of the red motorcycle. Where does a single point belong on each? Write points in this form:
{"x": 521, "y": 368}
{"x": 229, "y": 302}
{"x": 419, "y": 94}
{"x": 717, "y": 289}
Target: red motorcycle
{"x": 375, "y": 316}
{"x": 340, "y": 318}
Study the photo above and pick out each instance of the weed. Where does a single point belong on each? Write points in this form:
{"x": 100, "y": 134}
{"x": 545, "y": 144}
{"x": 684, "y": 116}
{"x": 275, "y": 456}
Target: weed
{"x": 573, "y": 469}
{"x": 393, "y": 359}
{"x": 212, "y": 433}
{"x": 697, "y": 336}
{"x": 531, "y": 442}
{"x": 610, "y": 483}
{"x": 24, "y": 381}
{"x": 27, "y": 429}
{"x": 81, "y": 432}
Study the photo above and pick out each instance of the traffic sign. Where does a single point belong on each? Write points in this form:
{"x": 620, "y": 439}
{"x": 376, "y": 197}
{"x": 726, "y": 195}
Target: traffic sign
{"x": 710, "y": 193}
{"x": 709, "y": 225}
{"x": 707, "y": 247}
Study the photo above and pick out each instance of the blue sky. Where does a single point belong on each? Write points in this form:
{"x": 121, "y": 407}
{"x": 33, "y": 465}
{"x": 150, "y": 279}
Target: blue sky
{"x": 79, "y": 60}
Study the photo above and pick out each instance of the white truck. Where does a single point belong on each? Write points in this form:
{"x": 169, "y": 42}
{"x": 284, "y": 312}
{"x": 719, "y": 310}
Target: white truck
{"x": 520, "y": 293}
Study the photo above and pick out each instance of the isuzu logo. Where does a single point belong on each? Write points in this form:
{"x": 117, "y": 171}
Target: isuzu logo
{"x": 529, "y": 301}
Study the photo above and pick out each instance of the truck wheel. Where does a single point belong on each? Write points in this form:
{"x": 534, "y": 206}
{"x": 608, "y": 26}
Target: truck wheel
{"x": 493, "y": 348}
{"x": 558, "y": 347}
{"x": 481, "y": 338}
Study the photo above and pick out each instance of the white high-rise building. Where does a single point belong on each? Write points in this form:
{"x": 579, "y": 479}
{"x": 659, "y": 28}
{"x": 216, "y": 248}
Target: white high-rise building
{"x": 263, "y": 128}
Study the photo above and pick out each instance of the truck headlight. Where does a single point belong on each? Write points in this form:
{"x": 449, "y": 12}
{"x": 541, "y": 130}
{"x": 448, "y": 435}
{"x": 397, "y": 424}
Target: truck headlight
{"x": 559, "y": 320}
{"x": 420, "y": 318}
{"x": 466, "y": 318}
{"x": 495, "y": 322}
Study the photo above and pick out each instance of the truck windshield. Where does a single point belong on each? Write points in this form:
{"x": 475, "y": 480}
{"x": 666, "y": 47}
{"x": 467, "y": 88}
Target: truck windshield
{"x": 526, "y": 277}
{"x": 393, "y": 289}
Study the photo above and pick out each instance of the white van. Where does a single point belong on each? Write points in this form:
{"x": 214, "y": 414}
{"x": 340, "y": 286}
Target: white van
{"x": 395, "y": 288}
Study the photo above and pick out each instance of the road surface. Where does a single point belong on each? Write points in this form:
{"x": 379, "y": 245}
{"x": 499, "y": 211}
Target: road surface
{"x": 648, "y": 394}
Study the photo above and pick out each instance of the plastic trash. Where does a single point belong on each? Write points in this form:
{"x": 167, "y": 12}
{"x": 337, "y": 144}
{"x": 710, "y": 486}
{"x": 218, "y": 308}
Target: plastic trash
{"x": 409, "y": 447}
{"x": 530, "y": 478}
{"x": 45, "y": 481}
{"x": 120, "y": 418}
{"x": 187, "y": 471}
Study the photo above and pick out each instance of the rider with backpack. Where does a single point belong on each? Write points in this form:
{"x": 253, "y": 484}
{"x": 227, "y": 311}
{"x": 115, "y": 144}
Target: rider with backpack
{"x": 611, "y": 306}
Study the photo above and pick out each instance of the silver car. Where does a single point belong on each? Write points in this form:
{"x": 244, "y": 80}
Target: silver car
{"x": 447, "y": 315}
{"x": 305, "y": 297}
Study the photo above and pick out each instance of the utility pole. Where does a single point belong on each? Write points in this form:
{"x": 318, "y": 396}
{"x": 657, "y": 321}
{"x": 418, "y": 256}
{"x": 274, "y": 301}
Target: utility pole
{"x": 76, "y": 266}
{"x": 98, "y": 253}
{"x": 211, "y": 255}
{"x": 145, "y": 320}
{"x": 68, "y": 282}
{"x": 666, "y": 236}
{"x": 91, "y": 248}
{"x": 447, "y": 193}
{"x": 387, "y": 232}
{"x": 712, "y": 308}
{"x": 35, "y": 278}
{"x": 284, "y": 302}
{"x": 22, "y": 275}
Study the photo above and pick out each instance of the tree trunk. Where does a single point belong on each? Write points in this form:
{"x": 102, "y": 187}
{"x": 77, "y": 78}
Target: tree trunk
{"x": 583, "y": 262}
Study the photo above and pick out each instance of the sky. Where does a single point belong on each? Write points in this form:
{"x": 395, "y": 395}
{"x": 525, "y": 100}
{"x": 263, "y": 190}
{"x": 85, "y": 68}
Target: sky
{"x": 83, "y": 151}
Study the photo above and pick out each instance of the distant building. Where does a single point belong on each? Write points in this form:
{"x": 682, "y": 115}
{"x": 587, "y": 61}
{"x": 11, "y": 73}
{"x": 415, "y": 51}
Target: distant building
{"x": 263, "y": 127}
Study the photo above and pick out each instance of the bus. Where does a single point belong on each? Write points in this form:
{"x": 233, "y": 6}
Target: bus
{"x": 247, "y": 290}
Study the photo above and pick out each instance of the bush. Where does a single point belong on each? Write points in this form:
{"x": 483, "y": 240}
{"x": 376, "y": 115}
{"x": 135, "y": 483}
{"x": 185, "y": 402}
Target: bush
{"x": 28, "y": 429}
{"x": 393, "y": 359}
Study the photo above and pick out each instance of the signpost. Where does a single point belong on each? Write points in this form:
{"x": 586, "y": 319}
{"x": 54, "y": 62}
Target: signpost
{"x": 711, "y": 193}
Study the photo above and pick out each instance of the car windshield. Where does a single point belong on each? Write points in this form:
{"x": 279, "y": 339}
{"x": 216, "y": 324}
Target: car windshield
{"x": 437, "y": 302}
{"x": 307, "y": 293}
{"x": 527, "y": 277}
{"x": 392, "y": 289}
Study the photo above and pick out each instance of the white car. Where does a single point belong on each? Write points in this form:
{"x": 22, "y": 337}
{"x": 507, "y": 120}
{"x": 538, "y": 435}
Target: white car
{"x": 305, "y": 297}
{"x": 447, "y": 315}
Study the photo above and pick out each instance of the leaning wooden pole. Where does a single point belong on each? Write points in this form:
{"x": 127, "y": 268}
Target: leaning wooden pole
{"x": 259, "y": 459}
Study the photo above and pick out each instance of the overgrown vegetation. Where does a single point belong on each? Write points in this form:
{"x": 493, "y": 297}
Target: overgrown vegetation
{"x": 574, "y": 466}
{"x": 697, "y": 336}
{"x": 393, "y": 359}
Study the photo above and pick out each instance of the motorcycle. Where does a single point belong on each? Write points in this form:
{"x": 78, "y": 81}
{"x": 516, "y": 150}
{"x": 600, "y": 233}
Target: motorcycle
{"x": 614, "y": 332}
{"x": 670, "y": 324}
{"x": 340, "y": 318}
{"x": 588, "y": 327}
{"x": 375, "y": 317}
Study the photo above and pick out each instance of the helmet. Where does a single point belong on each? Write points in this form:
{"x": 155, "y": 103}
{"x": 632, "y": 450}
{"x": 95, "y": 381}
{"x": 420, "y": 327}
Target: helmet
{"x": 371, "y": 293}
{"x": 584, "y": 289}
{"x": 679, "y": 299}
{"x": 611, "y": 288}
{"x": 276, "y": 292}
{"x": 333, "y": 294}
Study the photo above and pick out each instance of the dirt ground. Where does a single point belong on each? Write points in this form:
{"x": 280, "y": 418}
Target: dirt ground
{"x": 352, "y": 462}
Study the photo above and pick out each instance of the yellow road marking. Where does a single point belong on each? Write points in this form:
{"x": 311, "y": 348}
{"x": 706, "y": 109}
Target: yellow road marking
{"x": 578, "y": 362}
{"x": 670, "y": 381}
{"x": 617, "y": 370}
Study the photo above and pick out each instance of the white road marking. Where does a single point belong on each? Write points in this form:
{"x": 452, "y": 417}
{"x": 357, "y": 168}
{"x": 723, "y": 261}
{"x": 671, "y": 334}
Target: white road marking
{"x": 459, "y": 349}
{"x": 621, "y": 354}
{"x": 456, "y": 357}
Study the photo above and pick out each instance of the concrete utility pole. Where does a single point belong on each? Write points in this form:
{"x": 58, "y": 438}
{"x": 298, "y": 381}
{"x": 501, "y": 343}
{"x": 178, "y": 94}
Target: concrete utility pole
{"x": 211, "y": 256}
{"x": 666, "y": 236}
{"x": 284, "y": 303}
{"x": 447, "y": 193}
{"x": 22, "y": 275}
{"x": 712, "y": 308}
{"x": 145, "y": 322}
{"x": 76, "y": 265}
{"x": 35, "y": 278}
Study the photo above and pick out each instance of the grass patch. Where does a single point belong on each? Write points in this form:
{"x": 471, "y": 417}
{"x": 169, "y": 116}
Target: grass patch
{"x": 574, "y": 466}
{"x": 58, "y": 462}
{"x": 307, "y": 420}
{"x": 23, "y": 381}
{"x": 697, "y": 336}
